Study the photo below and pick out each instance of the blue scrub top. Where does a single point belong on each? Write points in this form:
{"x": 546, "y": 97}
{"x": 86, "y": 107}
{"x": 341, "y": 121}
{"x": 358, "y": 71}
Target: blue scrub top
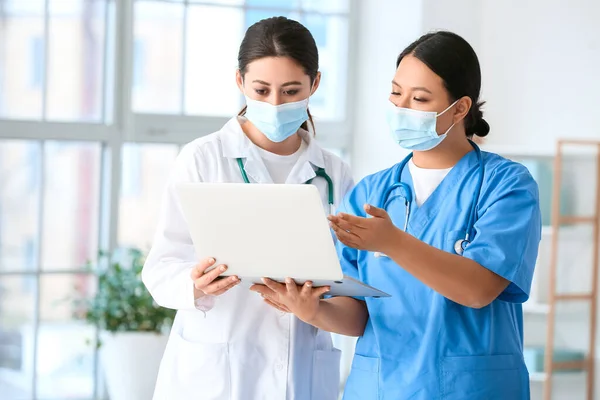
{"x": 420, "y": 345}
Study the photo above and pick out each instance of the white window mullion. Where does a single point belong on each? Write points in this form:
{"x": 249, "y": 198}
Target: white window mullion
{"x": 76, "y": 131}
{"x": 37, "y": 263}
{"x": 115, "y": 178}
{"x": 106, "y": 222}
{"x": 124, "y": 117}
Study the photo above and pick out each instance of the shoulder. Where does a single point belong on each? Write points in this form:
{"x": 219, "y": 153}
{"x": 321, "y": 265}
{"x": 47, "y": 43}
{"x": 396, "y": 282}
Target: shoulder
{"x": 370, "y": 189}
{"x": 335, "y": 165}
{"x": 204, "y": 152}
{"x": 498, "y": 168}
{"x": 211, "y": 146}
{"x": 505, "y": 178}
{"x": 497, "y": 164}
{"x": 379, "y": 180}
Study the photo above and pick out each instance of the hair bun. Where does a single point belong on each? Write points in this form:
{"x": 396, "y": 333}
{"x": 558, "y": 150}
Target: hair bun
{"x": 481, "y": 128}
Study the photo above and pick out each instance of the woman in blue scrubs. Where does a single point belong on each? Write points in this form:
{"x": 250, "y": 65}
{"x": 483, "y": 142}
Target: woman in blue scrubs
{"x": 451, "y": 232}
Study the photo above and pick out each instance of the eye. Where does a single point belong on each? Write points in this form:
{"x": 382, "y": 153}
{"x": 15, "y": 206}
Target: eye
{"x": 395, "y": 94}
{"x": 260, "y": 92}
{"x": 419, "y": 100}
{"x": 292, "y": 92}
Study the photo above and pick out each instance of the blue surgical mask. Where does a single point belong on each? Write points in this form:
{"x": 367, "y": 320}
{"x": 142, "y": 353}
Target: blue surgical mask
{"x": 277, "y": 123}
{"x": 415, "y": 129}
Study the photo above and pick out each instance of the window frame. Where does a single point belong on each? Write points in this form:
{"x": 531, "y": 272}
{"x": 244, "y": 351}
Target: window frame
{"x": 120, "y": 125}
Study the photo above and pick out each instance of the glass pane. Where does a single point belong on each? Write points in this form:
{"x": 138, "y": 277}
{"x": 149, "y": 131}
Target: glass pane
{"x": 21, "y": 58}
{"x": 326, "y": 6}
{"x": 331, "y": 36}
{"x": 146, "y": 169}
{"x": 211, "y": 64}
{"x": 111, "y": 48}
{"x": 253, "y": 16}
{"x": 217, "y": 2}
{"x": 19, "y": 198}
{"x": 157, "y": 57}
{"x": 75, "y": 60}
{"x": 274, "y": 4}
{"x": 17, "y": 297}
{"x": 65, "y": 359}
{"x": 71, "y": 204}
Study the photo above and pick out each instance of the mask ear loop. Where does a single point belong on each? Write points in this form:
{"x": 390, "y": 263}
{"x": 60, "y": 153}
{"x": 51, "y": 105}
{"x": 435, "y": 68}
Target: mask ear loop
{"x": 449, "y": 107}
{"x": 451, "y": 126}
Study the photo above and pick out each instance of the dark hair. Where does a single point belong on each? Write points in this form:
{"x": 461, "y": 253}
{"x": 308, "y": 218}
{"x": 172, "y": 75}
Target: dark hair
{"x": 280, "y": 37}
{"x": 453, "y": 59}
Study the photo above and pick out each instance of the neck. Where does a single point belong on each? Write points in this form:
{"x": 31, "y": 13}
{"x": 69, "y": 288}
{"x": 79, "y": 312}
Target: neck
{"x": 447, "y": 154}
{"x": 287, "y": 147}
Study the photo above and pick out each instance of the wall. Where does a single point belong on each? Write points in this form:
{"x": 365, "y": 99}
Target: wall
{"x": 541, "y": 75}
{"x": 384, "y": 28}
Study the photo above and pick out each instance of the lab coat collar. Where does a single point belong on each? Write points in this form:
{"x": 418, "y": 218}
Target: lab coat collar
{"x": 235, "y": 144}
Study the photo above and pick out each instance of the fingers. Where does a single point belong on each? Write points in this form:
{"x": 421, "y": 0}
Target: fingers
{"x": 334, "y": 219}
{"x": 275, "y": 286}
{"x": 220, "y": 284}
{"x": 226, "y": 288}
{"x": 318, "y": 292}
{"x": 209, "y": 277}
{"x": 306, "y": 288}
{"x": 348, "y": 227}
{"x": 263, "y": 290}
{"x": 278, "y": 306}
{"x": 199, "y": 269}
{"x": 375, "y": 212}
{"x": 354, "y": 220}
{"x": 291, "y": 286}
{"x": 348, "y": 238}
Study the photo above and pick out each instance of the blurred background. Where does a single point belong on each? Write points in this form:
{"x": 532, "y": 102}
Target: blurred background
{"x": 98, "y": 96}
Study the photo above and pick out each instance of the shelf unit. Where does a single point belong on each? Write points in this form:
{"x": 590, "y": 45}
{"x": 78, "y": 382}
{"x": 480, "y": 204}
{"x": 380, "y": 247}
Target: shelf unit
{"x": 558, "y": 220}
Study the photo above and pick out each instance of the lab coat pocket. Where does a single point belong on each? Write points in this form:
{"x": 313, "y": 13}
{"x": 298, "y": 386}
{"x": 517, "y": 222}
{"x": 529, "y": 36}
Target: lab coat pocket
{"x": 496, "y": 377}
{"x": 363, "y": 382}
{"x": 195, "y": 370}
{"x": 326, "y": 374}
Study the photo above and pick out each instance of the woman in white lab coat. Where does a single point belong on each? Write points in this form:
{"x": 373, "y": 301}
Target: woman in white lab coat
{"x": 226, "y": 341}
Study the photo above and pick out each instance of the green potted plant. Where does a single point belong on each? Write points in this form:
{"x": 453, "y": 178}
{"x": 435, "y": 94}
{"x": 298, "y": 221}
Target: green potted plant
{"x": 133, "y": 327}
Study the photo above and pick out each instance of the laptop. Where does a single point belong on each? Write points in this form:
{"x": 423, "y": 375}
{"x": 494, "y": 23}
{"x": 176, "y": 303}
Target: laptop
{"x": 267, "y": 230}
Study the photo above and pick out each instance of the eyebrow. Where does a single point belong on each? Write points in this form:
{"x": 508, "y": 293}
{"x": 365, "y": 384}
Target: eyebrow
{"x": 421, "y": 88}
{"x": 292, "y": 83}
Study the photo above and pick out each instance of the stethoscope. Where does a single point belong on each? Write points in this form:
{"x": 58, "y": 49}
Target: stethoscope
{"x": 406, "y": 194}
{"x": 319, "y": 172}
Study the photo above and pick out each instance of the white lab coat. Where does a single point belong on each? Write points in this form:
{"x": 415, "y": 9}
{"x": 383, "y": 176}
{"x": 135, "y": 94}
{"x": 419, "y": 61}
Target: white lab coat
{"x": 242, "y": 349}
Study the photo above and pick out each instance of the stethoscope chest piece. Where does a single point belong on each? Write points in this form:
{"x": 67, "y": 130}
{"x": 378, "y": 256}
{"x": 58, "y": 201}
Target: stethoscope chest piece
{"x": 460, "y": 245}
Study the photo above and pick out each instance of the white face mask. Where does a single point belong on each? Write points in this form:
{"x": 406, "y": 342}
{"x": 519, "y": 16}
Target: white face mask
{"x": 279, "y": 122}
{"x": 414, "y": 129}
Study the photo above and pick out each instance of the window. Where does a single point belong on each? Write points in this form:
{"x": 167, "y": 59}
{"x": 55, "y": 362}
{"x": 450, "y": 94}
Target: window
{"x": 37, "y": 62}
{"x": 139, "y": 60}
{"x": 92, "y": 116}
{"x": 199, "y": 78}
{"x": 146, "y": 169}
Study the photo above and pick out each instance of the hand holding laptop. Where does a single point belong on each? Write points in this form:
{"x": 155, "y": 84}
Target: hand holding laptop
{"x": 302, "y": 301}
{"x": 206, "y": 279}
